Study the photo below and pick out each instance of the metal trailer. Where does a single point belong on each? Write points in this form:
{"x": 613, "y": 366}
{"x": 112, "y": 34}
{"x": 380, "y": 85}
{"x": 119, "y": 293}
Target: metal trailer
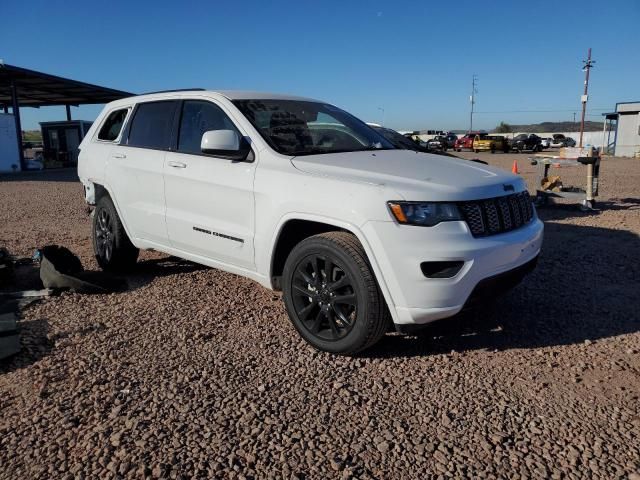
{"x": 569, "y": 157}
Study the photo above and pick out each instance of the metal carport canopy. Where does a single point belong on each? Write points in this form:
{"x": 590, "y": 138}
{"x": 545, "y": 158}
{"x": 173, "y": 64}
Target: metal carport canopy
{"x": 37, "y": 89}
{"x": 20, "y": 87}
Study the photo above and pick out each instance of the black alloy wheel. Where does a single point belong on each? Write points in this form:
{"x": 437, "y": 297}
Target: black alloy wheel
{"x": 324, "y": 298}
{"x": 332, "y": 296}
{"x": 104, "y": 235}
{"x": 112, "y": 247}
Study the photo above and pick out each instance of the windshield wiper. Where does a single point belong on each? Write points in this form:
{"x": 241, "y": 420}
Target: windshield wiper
{"x": 373, "y": 148}
{"x": 321, "y": 151}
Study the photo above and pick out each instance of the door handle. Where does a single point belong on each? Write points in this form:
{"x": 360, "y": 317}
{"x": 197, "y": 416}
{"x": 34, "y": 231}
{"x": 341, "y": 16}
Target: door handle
{"x": 119, "y": 155}
{"x": 177, "y": 164}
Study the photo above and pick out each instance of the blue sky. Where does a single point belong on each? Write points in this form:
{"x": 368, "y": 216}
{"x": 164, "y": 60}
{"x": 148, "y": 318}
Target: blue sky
{"x": 413, "y": 59}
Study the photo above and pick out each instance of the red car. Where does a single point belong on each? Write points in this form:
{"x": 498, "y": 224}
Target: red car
{"x": 465, "y": 141}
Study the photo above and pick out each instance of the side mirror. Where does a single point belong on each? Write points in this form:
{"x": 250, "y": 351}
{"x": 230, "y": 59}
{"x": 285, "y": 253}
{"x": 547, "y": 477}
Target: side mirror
{"x": 225, "y": 144}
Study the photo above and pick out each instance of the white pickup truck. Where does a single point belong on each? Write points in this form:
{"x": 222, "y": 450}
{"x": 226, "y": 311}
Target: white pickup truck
{"x": 305, "y": 198}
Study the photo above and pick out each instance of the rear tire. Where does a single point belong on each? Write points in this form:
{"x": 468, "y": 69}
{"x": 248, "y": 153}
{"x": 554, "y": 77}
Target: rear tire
{"x": 331, "y": 294}
{"x": 113, "y": 250}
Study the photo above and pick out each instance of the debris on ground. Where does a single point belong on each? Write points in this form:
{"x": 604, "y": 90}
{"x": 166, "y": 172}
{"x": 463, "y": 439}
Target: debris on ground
{"x": 62, "y": 269}
{"x": 553, "y": 183}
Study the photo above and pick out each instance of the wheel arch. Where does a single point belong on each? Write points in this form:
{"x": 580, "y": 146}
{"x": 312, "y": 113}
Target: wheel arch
{"x": 101, "y": 190}
{"x": 292, "y": 229}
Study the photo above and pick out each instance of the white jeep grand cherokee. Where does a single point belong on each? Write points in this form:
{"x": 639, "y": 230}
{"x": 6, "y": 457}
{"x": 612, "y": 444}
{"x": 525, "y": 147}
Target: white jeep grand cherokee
{"x": 305, "y": 198}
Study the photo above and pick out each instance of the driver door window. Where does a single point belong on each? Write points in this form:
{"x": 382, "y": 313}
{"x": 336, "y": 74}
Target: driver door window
{"x": 198, "y": 117}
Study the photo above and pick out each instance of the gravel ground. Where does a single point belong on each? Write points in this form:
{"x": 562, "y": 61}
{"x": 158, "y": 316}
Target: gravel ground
{"x": 193, "y": 372}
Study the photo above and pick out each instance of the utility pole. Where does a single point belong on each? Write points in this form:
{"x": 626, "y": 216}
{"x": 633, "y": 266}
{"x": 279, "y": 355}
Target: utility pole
{"x": 588, "y": 64}
{"x": 472, "y": 98}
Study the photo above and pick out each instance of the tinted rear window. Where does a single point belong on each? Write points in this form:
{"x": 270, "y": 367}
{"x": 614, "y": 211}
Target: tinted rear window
{"x": 151, "y": 125}
{"x": 112, "y": 125}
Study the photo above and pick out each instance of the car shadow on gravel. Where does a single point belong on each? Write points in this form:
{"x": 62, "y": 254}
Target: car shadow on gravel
{"x": 585, "y": 288}
{"x": 561, "y": 211}
{"x": 35, "y": 344}
{"x": 145, "y": 271}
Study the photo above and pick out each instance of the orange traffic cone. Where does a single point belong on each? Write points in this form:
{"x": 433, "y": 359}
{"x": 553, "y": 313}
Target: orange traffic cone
{"x": 514, "y": 169}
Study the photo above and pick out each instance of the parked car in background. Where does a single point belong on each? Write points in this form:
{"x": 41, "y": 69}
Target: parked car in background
{"x": 559, "y": 140}
{"x": 439, "y": 142}
{"x": 257, "y": 185}
{"x": 527, "y": 142}
{"x": 406, "y": 141}
{"x": 492, "y": 143}
{"x": 451, "y": 139}
{"x": 466, "y": 141}
{"x": 546, "y": 142}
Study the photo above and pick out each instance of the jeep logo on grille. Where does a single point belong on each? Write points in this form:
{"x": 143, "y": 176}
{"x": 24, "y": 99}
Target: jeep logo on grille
{"x": 508, "y": 188}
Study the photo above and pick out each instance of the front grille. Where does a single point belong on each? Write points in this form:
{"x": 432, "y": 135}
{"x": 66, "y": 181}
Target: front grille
{"x": 497, "y": 215}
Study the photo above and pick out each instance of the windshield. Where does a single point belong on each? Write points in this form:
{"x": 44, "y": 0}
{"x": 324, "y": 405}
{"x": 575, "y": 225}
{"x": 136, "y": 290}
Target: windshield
{"x": 294, "y": 127}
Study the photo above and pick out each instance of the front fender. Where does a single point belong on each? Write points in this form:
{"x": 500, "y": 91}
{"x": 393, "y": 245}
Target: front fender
{"x": 335, "y": 222}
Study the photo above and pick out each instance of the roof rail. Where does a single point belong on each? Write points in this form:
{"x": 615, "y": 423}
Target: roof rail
{"x": 175, "y": 90}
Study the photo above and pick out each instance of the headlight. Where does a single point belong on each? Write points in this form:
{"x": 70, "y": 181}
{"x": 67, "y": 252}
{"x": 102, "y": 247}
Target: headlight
{"x": 426, "y": 214}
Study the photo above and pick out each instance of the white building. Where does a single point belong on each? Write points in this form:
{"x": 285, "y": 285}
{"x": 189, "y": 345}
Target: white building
{"x": 9, "y": 154}
{"x": 624, "y": 136}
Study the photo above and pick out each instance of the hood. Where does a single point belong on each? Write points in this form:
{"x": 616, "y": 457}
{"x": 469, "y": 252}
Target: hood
{"x": 415, "y": 176}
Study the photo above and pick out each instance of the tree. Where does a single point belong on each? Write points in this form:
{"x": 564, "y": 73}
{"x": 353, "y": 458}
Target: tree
{"x": 503, "y": 128}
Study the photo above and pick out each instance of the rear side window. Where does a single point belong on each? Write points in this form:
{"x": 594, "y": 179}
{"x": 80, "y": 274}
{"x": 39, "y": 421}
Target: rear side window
{"x": 151, "y": 125}
{"x": 198, "y": 117}
{"x": 113, "y": 124}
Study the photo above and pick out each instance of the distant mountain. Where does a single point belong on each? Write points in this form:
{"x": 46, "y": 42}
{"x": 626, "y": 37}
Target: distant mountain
{"x": 552, "y": 127}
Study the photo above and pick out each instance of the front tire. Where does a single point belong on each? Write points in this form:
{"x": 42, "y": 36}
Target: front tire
{"x": 331, "y": 294}
{"x": 113, "y": 250}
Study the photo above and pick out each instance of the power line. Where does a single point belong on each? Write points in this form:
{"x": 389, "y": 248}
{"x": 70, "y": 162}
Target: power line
{"x": 545, "y": 111}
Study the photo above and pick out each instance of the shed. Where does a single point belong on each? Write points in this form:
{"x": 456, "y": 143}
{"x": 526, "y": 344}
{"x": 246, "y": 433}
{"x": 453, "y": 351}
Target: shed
{"x": 61, "y": 141}
{"x": 625, "y": 126}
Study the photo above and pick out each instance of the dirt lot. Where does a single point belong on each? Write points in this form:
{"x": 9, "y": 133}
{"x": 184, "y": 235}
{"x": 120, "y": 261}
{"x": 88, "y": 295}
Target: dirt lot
{"x": 195, "y": 372}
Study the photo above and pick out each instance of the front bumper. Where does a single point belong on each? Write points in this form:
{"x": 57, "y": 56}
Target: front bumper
{"x": 400, "y": 249}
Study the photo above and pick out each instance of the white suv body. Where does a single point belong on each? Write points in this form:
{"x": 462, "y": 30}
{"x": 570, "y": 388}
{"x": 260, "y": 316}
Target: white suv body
{"x": 246, "y": 215}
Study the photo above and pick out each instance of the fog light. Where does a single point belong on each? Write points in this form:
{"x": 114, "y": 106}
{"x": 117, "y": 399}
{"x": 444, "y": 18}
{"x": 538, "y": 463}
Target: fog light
{"x": 441, "y": 269}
